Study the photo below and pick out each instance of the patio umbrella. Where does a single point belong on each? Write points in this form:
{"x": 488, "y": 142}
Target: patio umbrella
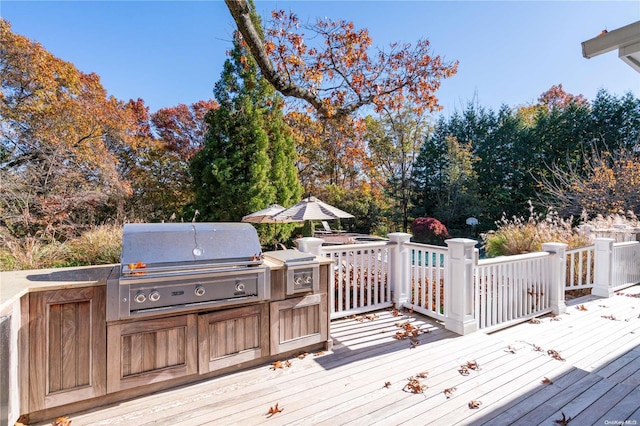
{"x": 312, "y": 209}
{"x": 266, "y": 215}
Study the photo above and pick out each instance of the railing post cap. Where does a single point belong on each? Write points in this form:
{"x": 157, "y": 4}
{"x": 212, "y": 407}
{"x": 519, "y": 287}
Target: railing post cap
{"x": 604, "y": 240}
{"x": 399, "y": 237}
{"x": 309, "y": 244}
{"x": 464, "y": 241}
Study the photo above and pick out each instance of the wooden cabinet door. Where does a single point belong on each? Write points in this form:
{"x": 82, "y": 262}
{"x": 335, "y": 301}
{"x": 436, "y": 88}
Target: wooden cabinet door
{"x": 299, "y": 322}
{"x": 67, "y": 335}
{"x": 151, "y": 351}
{"x": 233, "y": 336}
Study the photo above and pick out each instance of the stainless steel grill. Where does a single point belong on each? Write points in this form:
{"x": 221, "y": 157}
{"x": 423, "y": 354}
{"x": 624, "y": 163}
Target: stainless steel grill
{"x": 174, "y": 267}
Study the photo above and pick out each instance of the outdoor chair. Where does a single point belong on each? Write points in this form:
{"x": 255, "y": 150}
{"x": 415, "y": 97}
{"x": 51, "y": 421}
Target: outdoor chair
{"x": 328, "y": 230}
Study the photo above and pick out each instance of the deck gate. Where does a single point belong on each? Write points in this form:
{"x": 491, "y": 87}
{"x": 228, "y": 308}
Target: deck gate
{"x": 360, "y": 281}
{"x": 428, "y": 266}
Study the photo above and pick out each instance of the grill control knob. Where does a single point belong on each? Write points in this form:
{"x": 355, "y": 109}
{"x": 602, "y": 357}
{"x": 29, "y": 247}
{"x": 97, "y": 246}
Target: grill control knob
{"x": 239, "y": 286}
{"x": 199, "y": 291}
{"x": 140, "y": 297}
{"x": 154, "y": 296}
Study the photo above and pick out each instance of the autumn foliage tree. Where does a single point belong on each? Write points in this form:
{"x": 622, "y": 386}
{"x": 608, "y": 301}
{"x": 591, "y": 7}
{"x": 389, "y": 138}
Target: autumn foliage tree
{"x": 608, "y": 184}
{"x": 342, "y": 72}
{"x": 59, "y": 133}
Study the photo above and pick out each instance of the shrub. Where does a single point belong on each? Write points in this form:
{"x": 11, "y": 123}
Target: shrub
{"x": 29, "y": 253}
{"x": 429, "y": 230}
{"x": 99, "y": 245}
{"x": 519, "y": 235}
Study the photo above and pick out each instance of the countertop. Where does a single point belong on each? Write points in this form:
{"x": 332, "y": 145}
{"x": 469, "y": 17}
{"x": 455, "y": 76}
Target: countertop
{"x": 15, "y": 284}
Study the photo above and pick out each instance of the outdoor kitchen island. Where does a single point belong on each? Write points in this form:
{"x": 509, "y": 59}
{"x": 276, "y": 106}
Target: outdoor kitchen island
{"x": 68, "y": 353}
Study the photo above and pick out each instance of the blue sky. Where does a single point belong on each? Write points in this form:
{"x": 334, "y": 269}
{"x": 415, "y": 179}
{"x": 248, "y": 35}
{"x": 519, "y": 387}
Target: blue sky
{"x": 171, "y": 52}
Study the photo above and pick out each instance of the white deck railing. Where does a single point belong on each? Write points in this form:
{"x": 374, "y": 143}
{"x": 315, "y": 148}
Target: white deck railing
{"x": 625, "y": 264}
{"x": 467, "y": 294}
{"x": 580, "y": 265}
{"x": 361, "y": 278}
{"x": 509, "y": 289}
{"x": 428, "y": 265}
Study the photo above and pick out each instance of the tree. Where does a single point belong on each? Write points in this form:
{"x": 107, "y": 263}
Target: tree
{"x": 394, "y": 142}
{"x": 248, "y": 158}
{"x": 330, "y": 152}
{"x": 182, "y": 128}
{"x": 342, "y": 74}
{"x": 615, "y": 122}
{"x": 59, "y": 138}
{"x": 460, "y": 197}
{"x": 608, "y": 183}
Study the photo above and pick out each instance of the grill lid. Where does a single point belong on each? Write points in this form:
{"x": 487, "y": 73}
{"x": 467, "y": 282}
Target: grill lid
{"x": 162, "y": 245}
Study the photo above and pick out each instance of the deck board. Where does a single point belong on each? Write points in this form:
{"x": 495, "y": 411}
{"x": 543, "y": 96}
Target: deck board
{"x": 598, "y": 379}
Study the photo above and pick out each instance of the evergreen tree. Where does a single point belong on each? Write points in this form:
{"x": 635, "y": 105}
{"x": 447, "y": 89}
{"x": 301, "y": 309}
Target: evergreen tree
{"x": 248, "y": 159}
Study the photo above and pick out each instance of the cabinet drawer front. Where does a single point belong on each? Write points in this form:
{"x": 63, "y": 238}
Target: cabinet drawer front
{"x": 233, "y": 336}
{"x": 298, "y": 322}
{"x": 151, "y": 351}
{"x": 67, "y": 335}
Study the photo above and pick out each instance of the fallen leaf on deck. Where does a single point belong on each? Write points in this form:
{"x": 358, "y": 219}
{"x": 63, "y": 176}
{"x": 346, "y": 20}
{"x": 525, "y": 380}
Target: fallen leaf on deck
{"x": 546, "y": 381}
{"x": 287, "y": 363}
{"x": 414, "y": 386}
{"x": 534, "y": 321}
{"x": 463, "y": 370}
{"x": 276, "y": 365}
{"x": 581, "y": 308}
{"x": 555, "y": 355}
{"x": 475, "y": 404}
{"x": 387, "y": 384}
{"x": 423, "y": 374}
{"x": 473, "y": 365}
{"x": 449, "y": 391}
{"x": 563, "y": 421}
{"x": 395, "y": 312}
{"x": 537, "y": 348}
{"x": 61, "y": 421}
{"x": 303, "y": 355}
{"x": 319, "y": 353}
{"x": 510, "y": 349}
{"x": 555, "y": 318}
{"x": 274, "y": 410}
{"x": 610, "y": 317}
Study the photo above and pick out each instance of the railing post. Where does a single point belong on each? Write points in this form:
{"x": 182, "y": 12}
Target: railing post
{"x": 399, "y": 268}
{"x": 459, "y": 288}
{"x": 310, "y": 245}
{"x": 603, "y": 271}
{"x": 558, "y": 276}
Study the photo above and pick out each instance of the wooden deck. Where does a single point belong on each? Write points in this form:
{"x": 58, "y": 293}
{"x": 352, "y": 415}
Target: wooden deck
{"x": 598, "y": 382}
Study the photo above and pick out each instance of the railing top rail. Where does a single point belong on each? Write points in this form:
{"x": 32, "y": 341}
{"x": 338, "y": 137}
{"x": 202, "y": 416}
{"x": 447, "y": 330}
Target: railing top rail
{"x": 426, "y": 246}
{"x": 514, "y": 258}
{"x": 578, "y": 249}
{"x": 352, "y": 247}
{"x": 625, "y": 244}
